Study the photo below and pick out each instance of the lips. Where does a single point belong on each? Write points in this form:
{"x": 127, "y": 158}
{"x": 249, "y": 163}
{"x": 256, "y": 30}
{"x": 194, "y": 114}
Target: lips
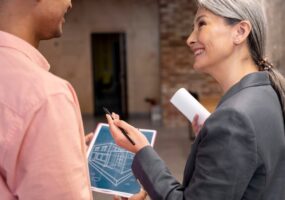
{"x": 198, "y": 51}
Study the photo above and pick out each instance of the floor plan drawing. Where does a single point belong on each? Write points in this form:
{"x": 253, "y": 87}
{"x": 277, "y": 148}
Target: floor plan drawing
{"x": 112, "y": 162}
{"x": 110, "y": 165}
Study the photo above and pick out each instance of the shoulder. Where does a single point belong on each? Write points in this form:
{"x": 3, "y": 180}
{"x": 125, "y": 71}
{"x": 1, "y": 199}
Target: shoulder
{"x": 25, "y": 86}
{"x": 256, "y": 105}
{"x": 245, "y": 109}
{"x": 253, "y": 100}
{"x": 245, "y": 118}
{"x": 228, "y": 122}
{"x": 227, "y": 134}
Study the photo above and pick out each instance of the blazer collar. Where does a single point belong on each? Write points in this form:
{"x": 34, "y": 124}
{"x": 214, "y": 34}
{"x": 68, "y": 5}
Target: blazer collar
{"x": 250, "y": 80}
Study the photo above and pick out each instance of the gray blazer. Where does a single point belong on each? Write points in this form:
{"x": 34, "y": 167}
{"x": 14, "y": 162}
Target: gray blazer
{"x": 238, "y": 154}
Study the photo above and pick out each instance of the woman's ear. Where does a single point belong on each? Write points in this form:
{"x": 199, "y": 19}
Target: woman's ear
{"x": 242, "y": 31}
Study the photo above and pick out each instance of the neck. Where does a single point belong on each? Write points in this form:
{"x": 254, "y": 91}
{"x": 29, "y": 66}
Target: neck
{"x": 19, "y": 23}
{"x": 233, "y": 71}
{"x": 21, "y": 34}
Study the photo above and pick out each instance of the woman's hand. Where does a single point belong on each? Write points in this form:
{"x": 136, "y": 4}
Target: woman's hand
{"x": 138, "y": 138}
{"x": 195, "y": 125}
{"x": 139, "y": 196}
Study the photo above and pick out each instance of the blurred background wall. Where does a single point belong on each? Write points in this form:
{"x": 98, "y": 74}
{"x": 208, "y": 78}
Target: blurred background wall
{"x": 119, "y": 52}
{"x": 71, "y": 55}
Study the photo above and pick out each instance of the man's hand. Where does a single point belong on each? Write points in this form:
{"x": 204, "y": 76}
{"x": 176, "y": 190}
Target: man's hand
{"x": 88, "y": 139}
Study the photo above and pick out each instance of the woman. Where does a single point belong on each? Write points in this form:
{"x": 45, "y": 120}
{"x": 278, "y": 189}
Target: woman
{"x": 239, "y": 152}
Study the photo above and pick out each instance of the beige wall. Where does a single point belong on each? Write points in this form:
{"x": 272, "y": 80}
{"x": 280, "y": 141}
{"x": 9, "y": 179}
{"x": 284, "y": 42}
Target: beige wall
{"x": 70, "y": 56}
{"x": 276, "y": 27}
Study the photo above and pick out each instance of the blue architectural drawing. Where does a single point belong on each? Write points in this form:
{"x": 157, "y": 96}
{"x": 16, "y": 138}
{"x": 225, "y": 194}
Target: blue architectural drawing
{"x": 110, "y": 165}
{"x": 108, "y": 158}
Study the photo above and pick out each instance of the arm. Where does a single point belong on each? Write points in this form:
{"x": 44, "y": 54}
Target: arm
{"x": 224, "y": 164}
{"x": 155, "y": 177}
{"x": 226, "y": 157}
{"x": 147, "y": 157}
{"x": 52, "y": 161}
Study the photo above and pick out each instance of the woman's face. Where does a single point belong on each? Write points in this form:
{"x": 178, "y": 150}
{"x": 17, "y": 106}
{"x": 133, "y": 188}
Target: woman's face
{"x": 211, "y": 41}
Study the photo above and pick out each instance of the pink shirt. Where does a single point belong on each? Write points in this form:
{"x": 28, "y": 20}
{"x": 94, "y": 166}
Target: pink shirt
{"x": 42, "y": 147}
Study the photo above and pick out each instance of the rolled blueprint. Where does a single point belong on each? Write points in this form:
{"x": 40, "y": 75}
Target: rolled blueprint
{"x": 189, "y": 106}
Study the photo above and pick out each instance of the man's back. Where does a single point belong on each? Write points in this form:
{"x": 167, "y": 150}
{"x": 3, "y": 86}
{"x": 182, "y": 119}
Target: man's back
{"x": 42, "y": 148}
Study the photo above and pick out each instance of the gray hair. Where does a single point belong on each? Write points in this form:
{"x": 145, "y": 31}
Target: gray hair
{"x": 238, "y": 10}
{"x": 235, "y": 11}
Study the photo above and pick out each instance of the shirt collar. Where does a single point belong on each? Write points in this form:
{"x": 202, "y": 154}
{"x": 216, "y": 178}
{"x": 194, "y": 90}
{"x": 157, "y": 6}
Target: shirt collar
{"x": 11, "y": 41}
{"x": 250, "y": 80}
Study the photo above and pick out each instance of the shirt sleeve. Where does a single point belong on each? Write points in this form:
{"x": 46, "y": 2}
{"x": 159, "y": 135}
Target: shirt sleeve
{"x": 52, "y": 160}
{"x": 224, "y": 163}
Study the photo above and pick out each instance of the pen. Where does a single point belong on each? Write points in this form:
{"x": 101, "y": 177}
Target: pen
{"x": 123, "y": 131}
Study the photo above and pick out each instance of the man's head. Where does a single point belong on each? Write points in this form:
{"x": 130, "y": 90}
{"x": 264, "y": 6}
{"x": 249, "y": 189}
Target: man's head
{"x": 49, "y": 17}
{"x": 33, "y": 20}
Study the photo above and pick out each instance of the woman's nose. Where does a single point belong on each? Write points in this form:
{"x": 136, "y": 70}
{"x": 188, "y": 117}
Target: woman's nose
{"x": 191, "y": 39}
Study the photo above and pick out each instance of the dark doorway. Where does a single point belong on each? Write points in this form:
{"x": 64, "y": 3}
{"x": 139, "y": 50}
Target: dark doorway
{"x": 109, "y": 73}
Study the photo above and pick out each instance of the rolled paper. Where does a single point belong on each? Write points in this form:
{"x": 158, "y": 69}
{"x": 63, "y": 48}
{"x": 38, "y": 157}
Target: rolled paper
{"x": 189, "y": 106}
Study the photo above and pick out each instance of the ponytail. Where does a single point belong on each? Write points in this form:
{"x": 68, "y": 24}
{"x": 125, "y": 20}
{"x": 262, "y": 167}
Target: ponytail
{"x": 277, "y": 81}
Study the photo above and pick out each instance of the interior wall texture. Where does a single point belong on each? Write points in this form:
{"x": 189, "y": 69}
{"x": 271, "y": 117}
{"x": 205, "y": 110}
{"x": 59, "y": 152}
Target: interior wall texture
{"x": 275, "y": 35}
{"x": 158, "y": 59}
{"x": 70, "y": 55}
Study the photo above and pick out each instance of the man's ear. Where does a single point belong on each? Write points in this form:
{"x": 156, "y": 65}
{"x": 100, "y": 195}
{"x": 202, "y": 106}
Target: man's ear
{"x": 242, "y": 31}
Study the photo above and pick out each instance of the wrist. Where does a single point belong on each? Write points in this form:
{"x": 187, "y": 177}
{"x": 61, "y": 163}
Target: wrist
{"x": 140, "y": 147}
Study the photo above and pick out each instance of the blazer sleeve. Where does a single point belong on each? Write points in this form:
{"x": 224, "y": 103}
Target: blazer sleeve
{"x": 225, "y": 161}
{"x": 154, "y": 176}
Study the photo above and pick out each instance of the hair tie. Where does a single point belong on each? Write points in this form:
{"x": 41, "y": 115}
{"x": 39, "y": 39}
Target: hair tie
{"x": 265, "y": 64}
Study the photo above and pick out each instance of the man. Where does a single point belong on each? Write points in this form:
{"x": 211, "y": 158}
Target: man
{"x": 42, "y": 146}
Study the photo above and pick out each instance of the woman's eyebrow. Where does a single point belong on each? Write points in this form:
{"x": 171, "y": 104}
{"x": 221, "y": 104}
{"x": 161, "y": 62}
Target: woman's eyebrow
{"x": 199, "y": 17}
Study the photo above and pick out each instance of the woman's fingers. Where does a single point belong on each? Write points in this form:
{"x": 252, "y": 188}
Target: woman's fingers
{"x": 124, "y": 125}
{"x": 139, "y": 196}
{"x": 136, "y": 136}
{"x": 115, "y": 116}
{"x": 115, "y": 131}
{"x": 119, "y": 198}
{"x": 195, "y": 125}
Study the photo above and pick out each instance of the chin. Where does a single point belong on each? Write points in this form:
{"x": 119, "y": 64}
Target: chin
{"x": 56, "y": 34}
{"x": 51, "y": 36}
{"x": 200, "y": 68}
{"x": 197, "y": 67}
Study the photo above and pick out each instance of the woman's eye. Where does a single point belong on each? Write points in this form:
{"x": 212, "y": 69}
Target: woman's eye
{"x": 201, "y": 23}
